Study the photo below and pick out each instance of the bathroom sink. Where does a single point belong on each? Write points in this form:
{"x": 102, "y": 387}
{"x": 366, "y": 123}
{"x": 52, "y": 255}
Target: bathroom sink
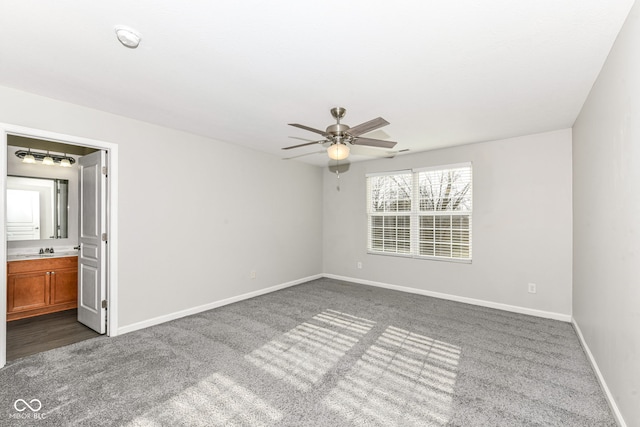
{"x": 65, "y": 253}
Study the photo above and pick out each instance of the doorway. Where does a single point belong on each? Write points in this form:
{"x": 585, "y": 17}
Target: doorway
{"x": 67, "y": 142}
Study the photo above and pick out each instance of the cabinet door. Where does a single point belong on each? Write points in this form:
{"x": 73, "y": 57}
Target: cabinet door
{"x": 27, "y": 291}
{"x": 64, "y": 286}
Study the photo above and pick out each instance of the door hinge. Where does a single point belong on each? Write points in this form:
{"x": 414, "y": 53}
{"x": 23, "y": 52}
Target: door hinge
{"x": 104, "y": 303}
{"x": 104, "y": 170}
{"x": 104, "y": 237}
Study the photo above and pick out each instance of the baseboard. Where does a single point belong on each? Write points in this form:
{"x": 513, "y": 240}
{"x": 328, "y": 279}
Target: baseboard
{"x": 612, "y": 403}
{"x": 199, "y": 309}
{"x": 194, "y": 310}
{"x": 482, "y": 303}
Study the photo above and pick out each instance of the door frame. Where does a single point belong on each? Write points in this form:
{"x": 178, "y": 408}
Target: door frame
{"x": 112, "y": 220}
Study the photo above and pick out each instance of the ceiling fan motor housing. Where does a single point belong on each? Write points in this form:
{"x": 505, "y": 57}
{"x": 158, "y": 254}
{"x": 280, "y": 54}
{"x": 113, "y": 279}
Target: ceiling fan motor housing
{"x": 337, "y": 129}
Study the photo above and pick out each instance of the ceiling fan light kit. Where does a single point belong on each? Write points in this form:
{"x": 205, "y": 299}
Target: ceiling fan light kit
{"x": 341, "y": 136}
{"x": 338, "y": 151}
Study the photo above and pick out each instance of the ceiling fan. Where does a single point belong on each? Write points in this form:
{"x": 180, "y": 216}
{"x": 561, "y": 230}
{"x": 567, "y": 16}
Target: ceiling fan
{"x": 341, "y": 136}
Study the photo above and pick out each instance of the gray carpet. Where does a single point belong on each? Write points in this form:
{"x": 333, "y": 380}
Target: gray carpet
{"x": 325, "y": 353}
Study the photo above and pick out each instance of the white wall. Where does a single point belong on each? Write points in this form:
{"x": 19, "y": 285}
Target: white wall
{"x": 606, "y": 201}
{"x": 521, "y": 225}
{"x": 195, "y": 215}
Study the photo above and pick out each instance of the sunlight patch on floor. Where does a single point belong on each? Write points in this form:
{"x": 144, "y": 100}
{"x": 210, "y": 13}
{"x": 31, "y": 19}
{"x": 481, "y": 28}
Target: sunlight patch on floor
{"x": 216, "y": 400}
{"x": 303, "y": 355}
{"x": 403, "y": 378}
{"x": 346, "y": 321}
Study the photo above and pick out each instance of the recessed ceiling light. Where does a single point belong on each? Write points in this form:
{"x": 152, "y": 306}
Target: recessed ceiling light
{"x": 128, "y": 37}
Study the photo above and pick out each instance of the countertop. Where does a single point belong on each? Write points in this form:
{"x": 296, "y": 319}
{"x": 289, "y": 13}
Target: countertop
{"x": 25, "y": 257}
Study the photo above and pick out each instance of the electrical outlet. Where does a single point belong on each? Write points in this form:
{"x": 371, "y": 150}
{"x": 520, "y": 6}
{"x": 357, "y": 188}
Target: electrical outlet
{"x": 252, "y": 275}
{"x": 359, "y": 264}
{"x": 532, "y": 288}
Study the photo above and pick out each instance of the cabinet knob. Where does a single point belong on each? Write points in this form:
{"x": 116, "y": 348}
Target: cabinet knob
{"x": 48, "y": 273}
{"x": 53, "y": 272}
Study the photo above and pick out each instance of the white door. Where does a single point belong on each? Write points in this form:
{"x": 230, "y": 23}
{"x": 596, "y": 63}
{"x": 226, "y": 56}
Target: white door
{"x": 23, "y": 215}
{"x": 92, "y": 258}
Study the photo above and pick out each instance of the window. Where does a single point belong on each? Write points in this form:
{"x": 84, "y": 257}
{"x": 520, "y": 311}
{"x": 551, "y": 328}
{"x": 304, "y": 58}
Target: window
{"x": 423, "y": 213}
{"x": 390, "y": 213}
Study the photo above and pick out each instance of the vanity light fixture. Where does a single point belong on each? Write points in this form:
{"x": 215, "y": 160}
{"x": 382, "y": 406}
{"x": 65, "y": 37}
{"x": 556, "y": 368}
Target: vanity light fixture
{"x": 29, "y": 156}
{"x": 127, "y": 36}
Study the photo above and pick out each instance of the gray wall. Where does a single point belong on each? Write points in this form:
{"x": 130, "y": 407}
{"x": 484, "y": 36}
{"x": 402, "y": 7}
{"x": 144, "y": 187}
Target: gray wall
{"x": 606, "y": 202}
{"x": 521, "y": 225}
{"x": 196, "y": 216}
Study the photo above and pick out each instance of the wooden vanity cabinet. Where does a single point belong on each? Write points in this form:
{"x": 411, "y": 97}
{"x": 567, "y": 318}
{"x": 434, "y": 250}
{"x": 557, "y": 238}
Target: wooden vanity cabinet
{"x": 41, "y": 286}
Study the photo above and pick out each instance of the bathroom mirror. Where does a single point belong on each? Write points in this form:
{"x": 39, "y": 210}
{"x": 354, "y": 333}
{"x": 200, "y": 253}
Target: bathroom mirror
{"x": 37, "y": 208}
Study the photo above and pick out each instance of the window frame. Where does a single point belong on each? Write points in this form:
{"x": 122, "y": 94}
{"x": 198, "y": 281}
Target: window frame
{"x": 378, "y": 234}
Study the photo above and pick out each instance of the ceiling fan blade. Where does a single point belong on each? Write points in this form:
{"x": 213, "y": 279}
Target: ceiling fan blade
{"x": 305, "y": 144}
{"x": 392, "y": 154}
{"x": 367, "y": 126}
{"x": 363, "y": 150}
{"x": 305, "y": 154}
{"x": 302, "y": 139}
{"x": 321, "y": 132}
{"x": 374, "y": 142}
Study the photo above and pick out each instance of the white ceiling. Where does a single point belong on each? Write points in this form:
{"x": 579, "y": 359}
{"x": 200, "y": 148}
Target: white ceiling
{"x": 441, "y": 72}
